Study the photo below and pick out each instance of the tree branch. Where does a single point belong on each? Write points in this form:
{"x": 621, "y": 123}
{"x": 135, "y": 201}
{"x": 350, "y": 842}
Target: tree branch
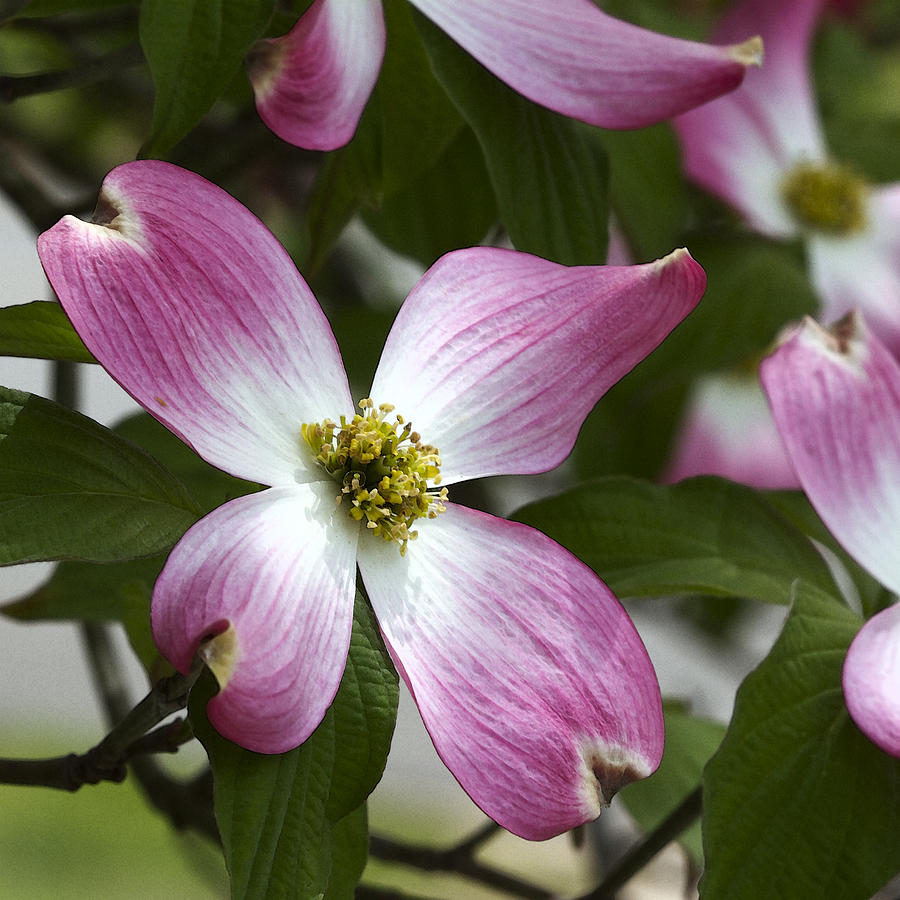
{"x": 458, "y": 860}
{"x": 15, "y": 87}
{"x": 684, "y": 815}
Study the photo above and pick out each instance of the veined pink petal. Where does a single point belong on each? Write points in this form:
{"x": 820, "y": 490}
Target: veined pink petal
{"x": 872, "y": 679}
{"x": 835, "y": 396}
{"x": 740, "y": 146}
{"x": 312, "y": 84}
{"x": 497, "y": 356}
{"x": 573, "y": 58}
{"x": 530, "y": 677}
{"x": 863, "y": 270}
{"x": 279, "y": 567}
{"x": 192, "y": 305}
{"x": 728, "y": 430}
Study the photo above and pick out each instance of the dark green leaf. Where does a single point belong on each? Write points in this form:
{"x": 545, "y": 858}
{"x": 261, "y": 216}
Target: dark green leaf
{"x": 549, "y": 172}
{"x": 277, "y": 814}
{"x": 796, "y": 507}
{"x": 797, "y": 802}
{"x": 647, "y": 188}
{"x": 690, "y": 741}
{"x": 406, "y": 126}
{"x": 36, "y": 8}
{"x": 449, "y": 206}
{"x": 350, "y": 853}
{"x": 704, "y": 535}
{"x": 194, "y": 48}
{"x": 210, "y": 486}
{"x": 40, "y": 330}
{"x": 70, "y": 488}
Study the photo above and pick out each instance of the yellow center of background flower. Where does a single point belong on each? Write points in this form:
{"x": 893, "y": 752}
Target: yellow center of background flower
{"x": 827, "y": 197}
{"x": 383, "y": 468}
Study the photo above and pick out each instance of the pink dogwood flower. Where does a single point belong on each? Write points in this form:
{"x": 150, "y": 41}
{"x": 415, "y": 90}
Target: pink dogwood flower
{"x": 728, "y": 431}
{"x": 312, "y": 84}
{"x": 761, "y": 149}
{"x": 530, "y": 677}
{"x": 835, "y": 396}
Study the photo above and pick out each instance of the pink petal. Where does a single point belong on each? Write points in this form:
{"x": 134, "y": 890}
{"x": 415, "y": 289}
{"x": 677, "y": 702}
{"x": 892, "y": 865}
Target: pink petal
{"x": 863, "y": 270}
{"x": 872, "y": 679}
{"x": 728, "y": 431}
{"x": 573, "y": 58}
{"x": 529, "y": 675}
{"x": 740, "y": 147}
{"x": 191, "y": 304}
{"x": 835, "y": 397}
{"x": 279, "y": 566}
{"x": 497, "y": 356}
{"x": 312, "y": 84}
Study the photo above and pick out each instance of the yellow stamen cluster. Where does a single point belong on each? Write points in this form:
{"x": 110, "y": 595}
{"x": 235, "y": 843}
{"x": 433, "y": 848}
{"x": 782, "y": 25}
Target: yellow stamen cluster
{"x": 827, "y": 197}
{"x": 383, "y": 469}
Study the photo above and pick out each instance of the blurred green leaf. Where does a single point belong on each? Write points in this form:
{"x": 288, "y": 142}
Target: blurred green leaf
{"x": 703, "y": 535}
{"x": 194, "y": 48}
{"x": 36, "y": 8}
{"x": 690, "y": 742}
{"x": 40, "y": 330}
{"x": 549, "y": 172}
{"x": 72, "y": 489}
{"x": 647, "y": 189}
{"x": 449, "y": 206}
{"x": 277, "y": 814}
{"x": 406, "y": 127}
{"x": 797, "y": 801}
{"x": 96, "y": 592}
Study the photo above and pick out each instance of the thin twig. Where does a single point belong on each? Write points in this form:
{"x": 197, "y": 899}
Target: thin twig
{"x": 107, "y": 760}
{"x": 431, "y": 859}
{"x": 682, "y": 817}
{"x": 15, "y": 87}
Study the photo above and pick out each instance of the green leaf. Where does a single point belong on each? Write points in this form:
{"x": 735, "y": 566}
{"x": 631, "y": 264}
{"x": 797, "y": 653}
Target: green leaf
{"x": 277, "y": 814}
{"x": 796, "y": 507}
{"x": 194, "y": 48}
{"x": 798, "y": 802}
{"x": 690, "y": 742}
{"x": 549, "y": 172}
{"x": 704, "y": 535}
{"x": 449, "y": 206}
{"x": 38, "y": 8}
{"x": 647, "y": 188}
{"x": 407, "y": 125}
{"x": 40, "y": 330}
{"x": 210, "y": 486}
{"x": 70, "y": 488}
{"x": 350, "y": 852}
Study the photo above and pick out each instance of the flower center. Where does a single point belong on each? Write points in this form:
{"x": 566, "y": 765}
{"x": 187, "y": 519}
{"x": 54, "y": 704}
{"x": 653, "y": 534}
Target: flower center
{"x": 827, "y": 197}
{"x": 383, "y": 469}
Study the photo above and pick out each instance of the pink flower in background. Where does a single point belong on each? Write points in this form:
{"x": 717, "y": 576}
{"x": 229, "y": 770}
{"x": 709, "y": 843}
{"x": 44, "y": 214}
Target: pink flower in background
{"x": 312, "y": 84}
{"x": 728, "y": 431}
{"x": 761, "y": 149}
{"x": 835, "y": 396}
{"x": 529, "y": 675}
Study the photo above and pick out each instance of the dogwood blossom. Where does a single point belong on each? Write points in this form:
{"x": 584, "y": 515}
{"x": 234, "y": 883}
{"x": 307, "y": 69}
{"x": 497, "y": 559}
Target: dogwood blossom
{"x": 835, "y": 396}
{"x": 761, "y": 149}
{"x": 312, "y": 84}
{"x": 529, "y": 675}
